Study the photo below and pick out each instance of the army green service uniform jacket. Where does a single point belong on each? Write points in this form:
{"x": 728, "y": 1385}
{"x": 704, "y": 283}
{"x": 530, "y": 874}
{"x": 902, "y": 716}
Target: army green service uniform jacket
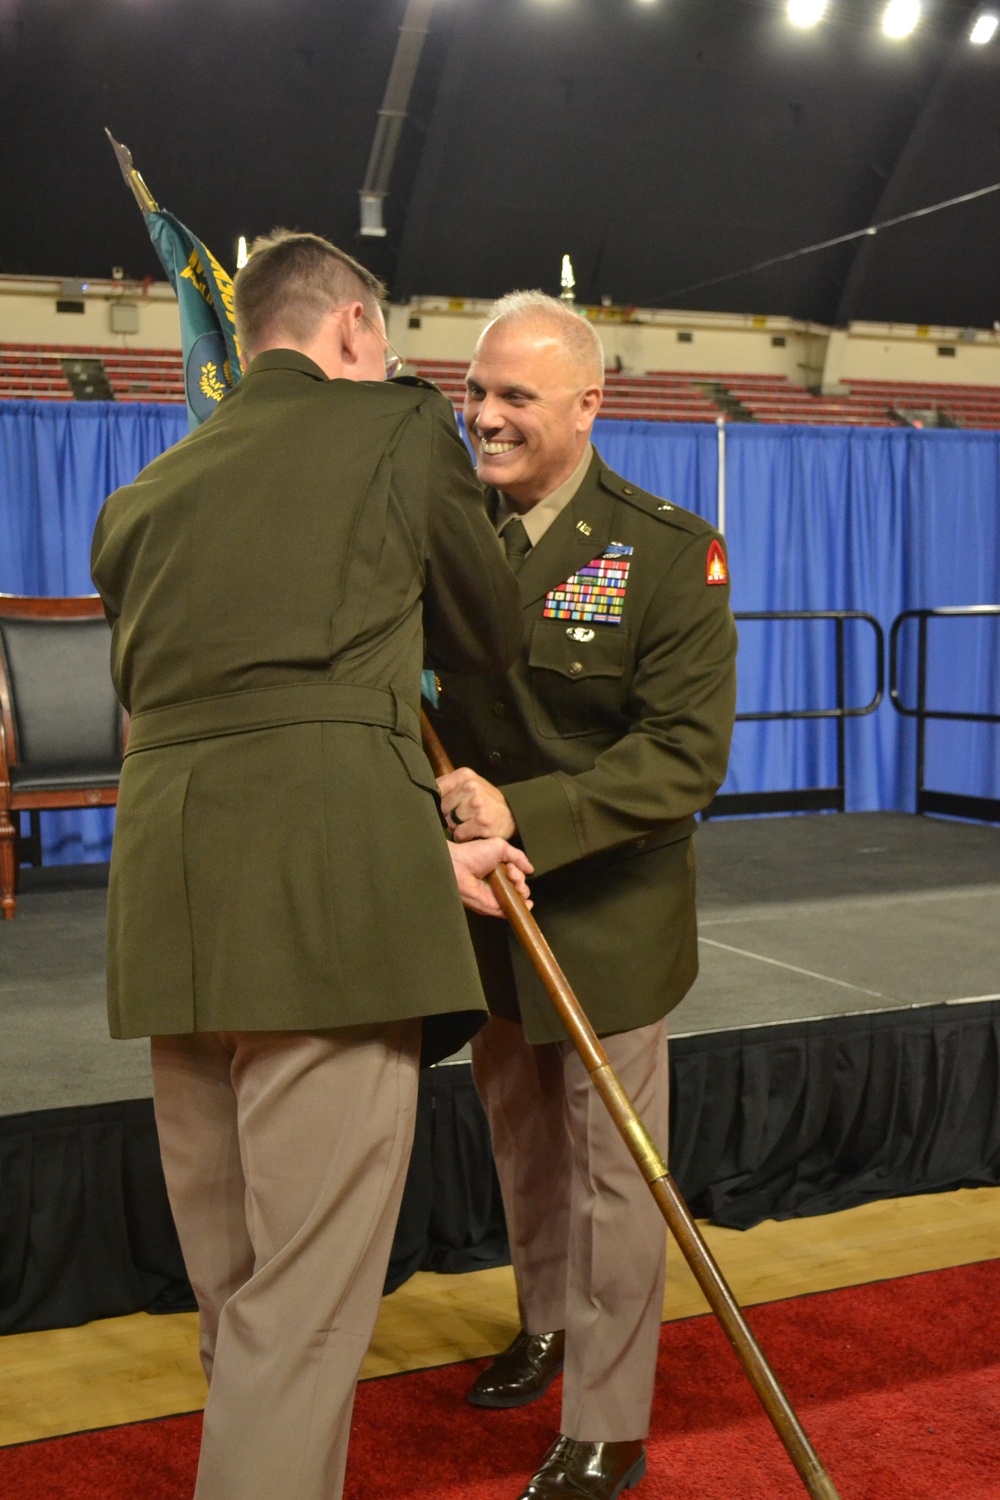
{"x": 606, "y": 738}
{"x": 279, "y": 861}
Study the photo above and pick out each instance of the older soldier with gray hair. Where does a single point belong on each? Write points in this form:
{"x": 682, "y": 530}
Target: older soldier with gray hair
{"x": 595, "y": 751}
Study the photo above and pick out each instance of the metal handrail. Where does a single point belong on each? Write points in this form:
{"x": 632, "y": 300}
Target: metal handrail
{"x": 809, "y": 799}
{"x": 948, "y": 804}
{"x": 840, "y": 615}
{"x": 921, "y": 711}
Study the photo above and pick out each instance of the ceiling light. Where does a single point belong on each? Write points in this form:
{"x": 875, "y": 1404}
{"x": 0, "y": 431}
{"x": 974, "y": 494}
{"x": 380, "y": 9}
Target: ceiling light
{"x": 900, "y": 18}
{"x": 984, "y": 29}
{"x": 806, "y": 12}
{"x": 241, "y": 253}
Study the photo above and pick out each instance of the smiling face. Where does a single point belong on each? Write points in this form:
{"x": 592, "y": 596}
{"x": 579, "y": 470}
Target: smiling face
{"x": 529, "y": 406}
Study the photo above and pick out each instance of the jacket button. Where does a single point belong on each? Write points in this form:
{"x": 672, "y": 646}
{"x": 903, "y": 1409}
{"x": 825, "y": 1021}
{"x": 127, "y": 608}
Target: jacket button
{"x": 494, "y": 759}
{"x": 575, "y": 668}
{"x": 627, "y": 489}
{"x": 499, "y": 708}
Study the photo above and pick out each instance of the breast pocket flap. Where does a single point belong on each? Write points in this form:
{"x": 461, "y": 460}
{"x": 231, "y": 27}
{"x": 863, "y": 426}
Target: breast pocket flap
{"x": 578, "y": 651}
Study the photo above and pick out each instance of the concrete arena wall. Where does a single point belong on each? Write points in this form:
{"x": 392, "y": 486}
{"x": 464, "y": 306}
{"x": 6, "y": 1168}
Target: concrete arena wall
{"x": 429, "y": 328}
{"x": 643, "y": 340}
{"x": 28, "y": 314}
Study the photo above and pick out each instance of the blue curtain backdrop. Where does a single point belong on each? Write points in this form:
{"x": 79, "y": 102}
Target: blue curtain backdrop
{"x": 57, "y": 463}
{"x": 816, "y": 519}
{"x": 952, "y": 551}
{"x": 875, "y": 519}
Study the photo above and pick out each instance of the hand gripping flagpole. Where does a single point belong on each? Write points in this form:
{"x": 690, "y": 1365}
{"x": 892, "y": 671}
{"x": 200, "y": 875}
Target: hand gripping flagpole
{"x": 649, "y": 1161}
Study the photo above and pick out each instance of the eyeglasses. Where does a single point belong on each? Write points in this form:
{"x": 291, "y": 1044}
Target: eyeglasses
{"x": 393, "y": 361}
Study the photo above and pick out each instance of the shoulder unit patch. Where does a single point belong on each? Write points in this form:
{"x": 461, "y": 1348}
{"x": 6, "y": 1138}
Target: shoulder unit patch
{"x": 715, "y": 564}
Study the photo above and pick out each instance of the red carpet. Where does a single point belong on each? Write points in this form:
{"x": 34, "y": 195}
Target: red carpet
{"x": 897, "y": 1383}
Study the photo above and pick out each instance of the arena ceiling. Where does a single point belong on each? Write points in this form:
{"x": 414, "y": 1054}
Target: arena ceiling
{"x": 661, "y": 143}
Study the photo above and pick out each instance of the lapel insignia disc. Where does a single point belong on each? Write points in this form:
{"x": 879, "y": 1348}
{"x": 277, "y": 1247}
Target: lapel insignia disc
{"x": 715, "y": 565}
{"x": 582, "y": 526}
{"x": 596, "y": 593}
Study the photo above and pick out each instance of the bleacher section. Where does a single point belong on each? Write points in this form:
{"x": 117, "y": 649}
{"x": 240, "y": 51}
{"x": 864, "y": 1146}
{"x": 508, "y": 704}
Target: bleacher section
{"x": 661, "y": 396}
{"x": 145, "y": 374}
{"x": 962, "y": 405}
{"x": 773, "y": 398}
{"x": 32, "y": 371}
{"x": 703, "y": 396}
{"x": 36, "y": 372}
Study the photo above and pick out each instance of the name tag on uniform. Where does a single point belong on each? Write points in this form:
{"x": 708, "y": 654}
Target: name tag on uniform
{"x": 596, "y": 593}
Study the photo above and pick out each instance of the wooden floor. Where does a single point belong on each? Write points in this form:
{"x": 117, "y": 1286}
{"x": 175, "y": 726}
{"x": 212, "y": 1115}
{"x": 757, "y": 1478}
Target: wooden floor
{"x": 131, "y": 1369}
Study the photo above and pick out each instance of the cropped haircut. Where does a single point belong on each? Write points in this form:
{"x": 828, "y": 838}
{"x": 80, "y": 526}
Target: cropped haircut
{"x": 538, "y": 310}
{"x": 290, "y": 282}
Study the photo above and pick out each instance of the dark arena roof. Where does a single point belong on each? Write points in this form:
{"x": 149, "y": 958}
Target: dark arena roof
{"x": 661, "y": 143}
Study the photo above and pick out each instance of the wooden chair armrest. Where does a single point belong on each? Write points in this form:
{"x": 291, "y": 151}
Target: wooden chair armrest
{"x": 4, "y": 769}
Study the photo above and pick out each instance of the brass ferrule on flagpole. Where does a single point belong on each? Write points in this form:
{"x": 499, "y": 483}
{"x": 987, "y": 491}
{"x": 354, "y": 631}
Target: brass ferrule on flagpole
{"x": 662, "y": 1186}
{"x": 132, "y": 176}
{"x": 622, "y": 1111}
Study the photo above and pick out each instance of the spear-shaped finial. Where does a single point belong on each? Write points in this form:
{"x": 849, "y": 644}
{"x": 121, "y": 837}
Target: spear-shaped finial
{"x": 141, "y": 192}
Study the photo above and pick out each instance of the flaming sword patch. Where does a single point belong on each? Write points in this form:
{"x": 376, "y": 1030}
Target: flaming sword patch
{"x": 715, "y": 565}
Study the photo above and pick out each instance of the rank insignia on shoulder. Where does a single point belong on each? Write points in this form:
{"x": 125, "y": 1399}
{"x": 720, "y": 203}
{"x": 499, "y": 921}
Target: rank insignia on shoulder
{"x": 595, "y": 594}
{"x": 715, "y": 565}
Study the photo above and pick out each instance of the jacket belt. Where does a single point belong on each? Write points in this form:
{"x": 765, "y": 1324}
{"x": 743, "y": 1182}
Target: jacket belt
{"x": 271, "y": 708}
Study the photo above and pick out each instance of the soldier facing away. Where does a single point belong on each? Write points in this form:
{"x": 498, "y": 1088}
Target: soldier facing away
{"x": 283, "y": 911}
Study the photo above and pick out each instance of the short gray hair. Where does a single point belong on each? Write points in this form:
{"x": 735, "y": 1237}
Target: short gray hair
{"x": 539, "y": 310}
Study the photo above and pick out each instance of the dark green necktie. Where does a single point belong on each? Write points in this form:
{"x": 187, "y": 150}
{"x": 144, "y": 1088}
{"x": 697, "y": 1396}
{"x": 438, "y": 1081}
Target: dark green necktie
{"x": 516, "y": 542}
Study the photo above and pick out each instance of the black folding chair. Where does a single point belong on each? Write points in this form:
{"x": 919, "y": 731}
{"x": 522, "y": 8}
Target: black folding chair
{"x": 62, "y": 730}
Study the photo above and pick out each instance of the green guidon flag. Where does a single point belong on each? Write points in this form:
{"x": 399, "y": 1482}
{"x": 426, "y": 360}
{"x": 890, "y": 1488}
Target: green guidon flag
{"x": 204, "y": 297}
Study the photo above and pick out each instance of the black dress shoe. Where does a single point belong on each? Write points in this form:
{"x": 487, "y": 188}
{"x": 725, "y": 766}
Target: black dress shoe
{"x": 600, "y": 1471}
{"x": 522, "y": 1373}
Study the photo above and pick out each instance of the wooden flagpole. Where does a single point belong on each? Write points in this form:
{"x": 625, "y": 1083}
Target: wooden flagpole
{"x": 649, "y": 1161}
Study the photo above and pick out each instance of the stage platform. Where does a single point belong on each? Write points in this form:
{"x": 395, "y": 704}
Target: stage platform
{"x": 801, "y": 918}
{"x": 809, "y": 917}
{"x": 842, "y": 1043}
